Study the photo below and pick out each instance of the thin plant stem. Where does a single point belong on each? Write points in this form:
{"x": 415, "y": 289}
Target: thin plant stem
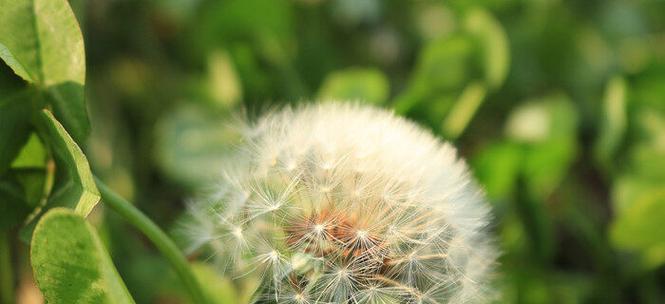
{"x": 163, "y": 243}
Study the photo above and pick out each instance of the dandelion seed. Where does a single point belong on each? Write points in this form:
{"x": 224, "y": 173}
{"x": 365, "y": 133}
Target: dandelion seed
{"x": 339, "y": 203}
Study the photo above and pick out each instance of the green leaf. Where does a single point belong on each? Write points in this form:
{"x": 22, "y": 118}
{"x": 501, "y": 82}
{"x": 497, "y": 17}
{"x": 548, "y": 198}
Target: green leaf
{"x": 71, "y": 264}
{"x": 366, "y": 85}
{"x": 69, "y": 106}
{"x": 547, "y": 164}
{"x": 32, "y": 155}
{"x": 22, "y": 186}
{"x": 548, "y": 128}
{"x": 14, "y": 126}
{"x": 75, "y": 187}
{"x": 42, "y": 42}
{"x": 13, "y": 205}
{"x": 497, "y": 167}
{"x": 645, "y": 155}
{"x": 445, "y": 66}
{"x": 477, "y": 52}
{"x": 638, "y": 225}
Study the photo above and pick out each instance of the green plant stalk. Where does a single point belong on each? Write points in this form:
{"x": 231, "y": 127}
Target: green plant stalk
{"x": 6, "y": 273}
{"x": 163, "y": 243}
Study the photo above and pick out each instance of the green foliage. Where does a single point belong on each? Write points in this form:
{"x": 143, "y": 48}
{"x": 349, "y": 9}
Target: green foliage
{"x": 41, "y": 41}
{"x": 224, "y": 86}
{"x": 21, "y": 187}
{"x": 365, "y": 85}
{"x": 71, "y": 264}
{"x": 14, "y": 206}
{"x": 557, "y": 106}
{"x": 640, "y": 213}
{"x": 190, "y": 142}
{"x": 493, "y": 45}
{"x": 14, "y": 127}
{"x": 75, "y": 187}
{"x": 454, "y": 72}
{"x": 218, "y": 289}
{"x": 547, "y": 127}
{"x": 613, "y": 126}
{"x": 465, "y": 107}
{"x": 497, "y": 167}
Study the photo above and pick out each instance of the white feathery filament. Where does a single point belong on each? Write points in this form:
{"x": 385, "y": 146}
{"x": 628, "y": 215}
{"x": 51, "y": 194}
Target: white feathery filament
{"x": 340, "y": 203}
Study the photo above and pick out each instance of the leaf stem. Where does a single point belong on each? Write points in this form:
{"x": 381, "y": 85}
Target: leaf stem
{"x": 163, "y": 243}
{"x": 6, "y": 273}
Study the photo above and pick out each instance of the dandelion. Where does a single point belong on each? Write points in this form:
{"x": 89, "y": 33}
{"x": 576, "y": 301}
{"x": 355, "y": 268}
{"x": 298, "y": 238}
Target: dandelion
{"x": 340, "y": 203}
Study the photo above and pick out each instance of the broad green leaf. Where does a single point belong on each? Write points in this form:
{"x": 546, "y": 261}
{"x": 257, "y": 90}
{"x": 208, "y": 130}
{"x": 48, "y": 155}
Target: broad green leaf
{"x": 22, "y": 186}
{"x": 70, "y": 262}
{"x": 545, "y": 128}
{"x": 497, "y": 167}
{"x": 30, "y": 169}
{"x": 41, "y": 41}
{"x": 445, "y": 66}
{"x": 14, "y": 126}
{"x": 638, "y": 225}
{"x": 647, "y": 161}
{"x": 69, "y": 106}
{"x": 33, "y": 182}
{"x": 547, "y": 164}
{"x": 75, "y": 187}
{"x": 548, "y": 129}
{"x": 645, "y": 156}
{"x": 32, "y": 155}
{"x": 637, "y": 195}
{"x": 476, "y": 52}
{"x": 613, "y": 124}
{"x": 13, "y": 205}
{"x": 355, "y": 84}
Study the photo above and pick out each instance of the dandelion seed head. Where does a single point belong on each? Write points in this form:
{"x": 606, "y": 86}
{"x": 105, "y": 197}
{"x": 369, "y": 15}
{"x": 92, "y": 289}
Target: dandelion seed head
{"x": 340, "y": 203}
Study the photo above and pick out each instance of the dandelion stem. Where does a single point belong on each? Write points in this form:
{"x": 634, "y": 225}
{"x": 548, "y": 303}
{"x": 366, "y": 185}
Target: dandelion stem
{"x": 163, "y": 243}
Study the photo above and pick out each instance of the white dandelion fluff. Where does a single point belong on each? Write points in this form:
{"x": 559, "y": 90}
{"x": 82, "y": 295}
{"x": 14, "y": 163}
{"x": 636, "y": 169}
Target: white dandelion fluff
{"x": 340, "y": 203}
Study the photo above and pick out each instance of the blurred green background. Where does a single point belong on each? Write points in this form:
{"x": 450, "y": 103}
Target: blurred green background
{"x": 558, "y": 106}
